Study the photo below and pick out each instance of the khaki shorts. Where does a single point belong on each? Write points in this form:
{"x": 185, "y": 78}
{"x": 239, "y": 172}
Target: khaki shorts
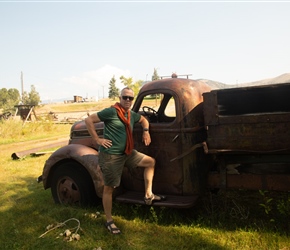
{"x": 112, "y": 166}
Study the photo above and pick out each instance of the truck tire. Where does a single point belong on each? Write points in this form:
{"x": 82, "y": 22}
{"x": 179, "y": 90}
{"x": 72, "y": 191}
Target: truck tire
{"x": 72, "y": 185}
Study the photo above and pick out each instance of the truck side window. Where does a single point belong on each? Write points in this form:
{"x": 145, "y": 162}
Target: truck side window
{"x": 158, "y": 108}
{"x": 170, "y": 110}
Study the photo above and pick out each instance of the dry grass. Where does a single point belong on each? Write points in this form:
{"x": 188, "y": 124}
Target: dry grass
{"x": 75, "y": 107}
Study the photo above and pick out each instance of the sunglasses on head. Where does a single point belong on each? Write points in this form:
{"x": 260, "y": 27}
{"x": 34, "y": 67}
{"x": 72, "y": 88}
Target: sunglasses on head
{"x": 125, "y": 97}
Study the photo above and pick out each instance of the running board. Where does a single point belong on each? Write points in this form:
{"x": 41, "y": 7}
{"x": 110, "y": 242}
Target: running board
{"x": 171, "y": 200}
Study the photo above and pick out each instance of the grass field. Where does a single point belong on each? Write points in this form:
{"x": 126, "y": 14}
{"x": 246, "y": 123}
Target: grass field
{"x": 223, "y": 221}
{"x": 72, "y": 107}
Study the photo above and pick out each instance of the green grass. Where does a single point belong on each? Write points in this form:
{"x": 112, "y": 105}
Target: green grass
{"x": 13, "y": 131}
{"x": 226, "y": 220}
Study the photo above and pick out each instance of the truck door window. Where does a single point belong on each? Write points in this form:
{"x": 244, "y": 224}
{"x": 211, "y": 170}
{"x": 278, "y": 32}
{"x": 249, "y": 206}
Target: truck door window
{"x": 158, "y": 108}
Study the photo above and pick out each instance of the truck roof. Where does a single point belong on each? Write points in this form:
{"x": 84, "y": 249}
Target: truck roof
{"x": 187, "y": 90}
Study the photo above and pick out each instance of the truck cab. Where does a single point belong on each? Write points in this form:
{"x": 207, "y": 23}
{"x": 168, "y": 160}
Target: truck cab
{"x": 173, "y": 108}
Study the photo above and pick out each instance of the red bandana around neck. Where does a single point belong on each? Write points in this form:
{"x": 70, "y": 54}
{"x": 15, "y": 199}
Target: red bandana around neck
{"x": 121, "y": 114}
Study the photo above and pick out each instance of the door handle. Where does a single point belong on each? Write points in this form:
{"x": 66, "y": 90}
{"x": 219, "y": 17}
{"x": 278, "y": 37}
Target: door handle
{"x": 174, "y": 139}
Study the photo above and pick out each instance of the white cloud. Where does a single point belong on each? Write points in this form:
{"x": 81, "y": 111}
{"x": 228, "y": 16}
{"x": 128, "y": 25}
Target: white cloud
{"x": 90, "y": 84}
{"x": 96, "y": 82}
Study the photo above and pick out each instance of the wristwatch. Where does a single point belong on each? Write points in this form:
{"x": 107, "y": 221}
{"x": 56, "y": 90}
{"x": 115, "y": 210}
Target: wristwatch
{"x": 145, "y": 129}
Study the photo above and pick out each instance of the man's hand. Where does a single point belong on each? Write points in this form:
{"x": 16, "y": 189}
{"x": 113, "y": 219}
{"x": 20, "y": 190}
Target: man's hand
{"x": 104, "y": 142}
{"x": 146, "y": 138}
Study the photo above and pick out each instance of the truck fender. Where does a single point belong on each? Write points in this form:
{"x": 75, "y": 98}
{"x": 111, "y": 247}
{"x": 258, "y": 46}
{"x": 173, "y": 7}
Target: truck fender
{"x": 86, "y": 156}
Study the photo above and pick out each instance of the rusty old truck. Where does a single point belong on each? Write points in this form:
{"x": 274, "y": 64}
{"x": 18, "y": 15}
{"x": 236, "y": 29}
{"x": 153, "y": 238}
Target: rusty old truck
{"x": 202, "y": 139}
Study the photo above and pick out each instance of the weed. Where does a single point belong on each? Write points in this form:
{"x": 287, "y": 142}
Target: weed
{"x": 154, "y": 215}
{"x": 267, "y": 205}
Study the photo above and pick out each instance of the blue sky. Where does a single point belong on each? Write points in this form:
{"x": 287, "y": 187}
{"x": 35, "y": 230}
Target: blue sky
{"x": 75, "y": 48}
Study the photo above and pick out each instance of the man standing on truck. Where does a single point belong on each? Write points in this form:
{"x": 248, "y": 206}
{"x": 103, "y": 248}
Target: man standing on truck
{"x": 116, "y": 150}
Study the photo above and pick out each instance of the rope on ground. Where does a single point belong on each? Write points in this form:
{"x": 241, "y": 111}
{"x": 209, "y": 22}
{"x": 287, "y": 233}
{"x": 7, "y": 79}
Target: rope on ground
{"x": 69, "y": 236}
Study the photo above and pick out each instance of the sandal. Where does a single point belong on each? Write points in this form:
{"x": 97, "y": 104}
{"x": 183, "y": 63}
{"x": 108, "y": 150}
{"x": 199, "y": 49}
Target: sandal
{"x": 113, "y": 230}
{"x": 154, "y": 197}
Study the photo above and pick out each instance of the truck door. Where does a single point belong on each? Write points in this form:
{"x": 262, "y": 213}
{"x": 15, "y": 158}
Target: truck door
{"x": 160, "y": 109}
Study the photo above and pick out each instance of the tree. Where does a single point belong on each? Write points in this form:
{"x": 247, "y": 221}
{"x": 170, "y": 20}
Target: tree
{"x": 8, "y": 99}
{"x": 128, "y": 82}
{"x": 136, "y": 87}
{"x": 155, "y": 75}
{"x": 3, "y": 96}
{"x": 14, "y": 95}
{"x": 113, "y": 90}
{"x": 31, "y": 98}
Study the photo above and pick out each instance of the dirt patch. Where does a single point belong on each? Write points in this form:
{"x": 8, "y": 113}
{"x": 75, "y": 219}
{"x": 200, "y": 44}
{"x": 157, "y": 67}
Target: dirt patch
{"x": 35, "y": 146}
{"x": 38, "y": 147}
{"x": 69, "y": 116}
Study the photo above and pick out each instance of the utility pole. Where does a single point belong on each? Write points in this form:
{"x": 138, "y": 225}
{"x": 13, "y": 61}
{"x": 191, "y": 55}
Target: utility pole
{"x": 22, "y": 89}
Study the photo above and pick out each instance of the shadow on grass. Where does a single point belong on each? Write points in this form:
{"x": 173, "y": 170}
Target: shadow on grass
{"x": 27, "y": 209}
{"x": 229, "y": 210}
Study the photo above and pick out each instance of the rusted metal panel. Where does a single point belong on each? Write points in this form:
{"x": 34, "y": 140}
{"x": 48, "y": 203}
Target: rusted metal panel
{"x": 252, "y": 137}
{"x": 86, "y": 156}
{"x": 80, "y": 135}
{"x": 186, "y": 90}
{"x": 168, "y": 175}
{"x": 250, "y": 119}
{"x": 267, "y": 99}
{"x": 210, "y": 105}
{"x": 276, "y": 182}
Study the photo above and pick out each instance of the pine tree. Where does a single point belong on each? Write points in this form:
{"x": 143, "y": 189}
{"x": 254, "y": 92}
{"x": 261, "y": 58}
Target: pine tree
{"x": 113, "y": 90}
{"x": 155, "y": 75}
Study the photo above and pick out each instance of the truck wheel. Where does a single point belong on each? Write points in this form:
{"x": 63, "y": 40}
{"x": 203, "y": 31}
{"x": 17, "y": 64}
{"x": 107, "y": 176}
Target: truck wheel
{"x": 72, "y": 185}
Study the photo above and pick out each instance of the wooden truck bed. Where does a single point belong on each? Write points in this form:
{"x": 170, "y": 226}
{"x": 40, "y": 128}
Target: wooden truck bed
{"x": 250, "y": 119}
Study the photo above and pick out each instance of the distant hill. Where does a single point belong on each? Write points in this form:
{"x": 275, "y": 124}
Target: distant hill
{"x": 214, "y": 84}
{"x": 285, "y": 78}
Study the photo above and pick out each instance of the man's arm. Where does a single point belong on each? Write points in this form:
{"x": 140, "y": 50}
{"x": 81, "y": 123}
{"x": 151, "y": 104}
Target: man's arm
{"x": 90, "y": 120}
{"x": 146, "y": 135}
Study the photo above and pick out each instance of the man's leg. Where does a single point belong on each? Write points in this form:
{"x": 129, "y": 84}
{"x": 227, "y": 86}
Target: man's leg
{"x": 148, "y": 163}
{"x": 107, "y": 204}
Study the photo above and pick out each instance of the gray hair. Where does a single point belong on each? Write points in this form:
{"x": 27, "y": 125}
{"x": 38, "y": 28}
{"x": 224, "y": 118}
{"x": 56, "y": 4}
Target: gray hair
{"x": 127, "y": 89}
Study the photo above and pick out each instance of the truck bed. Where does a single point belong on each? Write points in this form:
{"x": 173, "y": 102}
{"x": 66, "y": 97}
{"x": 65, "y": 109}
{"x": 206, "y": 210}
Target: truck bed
{"x": 250, "y": 119}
